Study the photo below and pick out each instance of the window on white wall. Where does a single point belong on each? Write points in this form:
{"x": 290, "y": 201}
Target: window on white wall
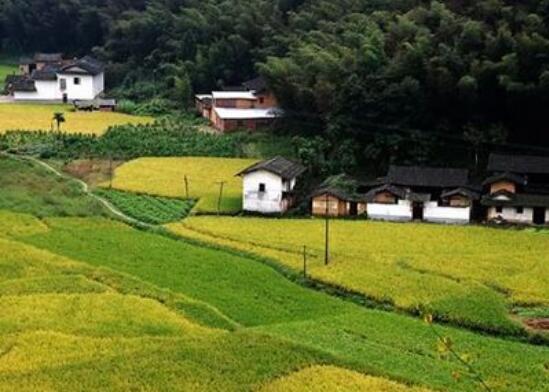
{"x": 499, "y": 210}
{"x": 262, "y": 187}
{"x": 77, "y": 81}
{"x": 63, "y": 84}
{"x": 520, "y": 210}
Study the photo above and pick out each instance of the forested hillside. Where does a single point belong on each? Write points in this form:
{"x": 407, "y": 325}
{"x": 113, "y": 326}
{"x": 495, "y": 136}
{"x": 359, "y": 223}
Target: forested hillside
{"x": 402, "y": 77}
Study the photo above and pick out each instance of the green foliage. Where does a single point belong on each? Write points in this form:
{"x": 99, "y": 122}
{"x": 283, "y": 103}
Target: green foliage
{"x": 145, "y": 208}
{"x": 168, "y": 136}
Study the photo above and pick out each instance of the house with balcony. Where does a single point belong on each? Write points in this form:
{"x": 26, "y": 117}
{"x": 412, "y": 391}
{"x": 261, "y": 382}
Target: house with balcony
{"x": 517, "y": 190}
{"x": 268, "y": 186}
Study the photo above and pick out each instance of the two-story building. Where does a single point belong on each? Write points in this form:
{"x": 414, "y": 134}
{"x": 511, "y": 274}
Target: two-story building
{"x": 240, "y": 108}
{"x": 268, "y": 186}
{"x": 518, "y": 189}
{"x": 81, "y": 79}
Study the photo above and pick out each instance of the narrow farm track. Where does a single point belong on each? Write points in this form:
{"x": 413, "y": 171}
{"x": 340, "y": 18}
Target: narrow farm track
{"x": 85, "y": 188}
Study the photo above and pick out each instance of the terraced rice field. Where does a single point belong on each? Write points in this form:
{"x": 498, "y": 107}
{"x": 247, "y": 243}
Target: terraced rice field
{"x": 166, "y": 177}
{"x": 34, "y": 117}
{"x": 89, "y": 303}
{"x": 471, "y": 276}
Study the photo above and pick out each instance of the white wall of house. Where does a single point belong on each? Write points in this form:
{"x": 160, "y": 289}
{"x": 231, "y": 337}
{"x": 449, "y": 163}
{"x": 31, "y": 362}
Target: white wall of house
{"x": 391, "y": 212}
{"x": 50, "y": 90}
{"x": 270, "y": 201}
{"x": 88, "y": 88}
{"x": 510, "y": 214}
{"x": 547, "y": 216}
{"x": 432, "y": 212}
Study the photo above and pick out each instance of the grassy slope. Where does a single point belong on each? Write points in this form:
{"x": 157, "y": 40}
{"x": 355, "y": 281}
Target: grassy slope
{"x": 39, "y": 117}
{"x": 24, "y": 187}
{"x": 165, "y": 177}
{"x": 5, "y": 70}
{"x": 470, "y": 275}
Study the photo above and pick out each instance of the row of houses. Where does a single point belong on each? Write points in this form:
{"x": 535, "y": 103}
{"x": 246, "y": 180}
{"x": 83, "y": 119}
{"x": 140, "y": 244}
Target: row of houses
{"x": 250, "y": 106}
{"x": 48, "y": 77}
{"x": 516, "y": 190}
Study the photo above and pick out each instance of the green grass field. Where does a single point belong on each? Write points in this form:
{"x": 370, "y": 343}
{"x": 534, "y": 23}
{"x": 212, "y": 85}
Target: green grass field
{"x": 471, "y": 276}
{"x": 92, "y": 304}
{"x": 5, "y": 70}
{"x": 34, "y": 117}
{"x": 165, "y": 177}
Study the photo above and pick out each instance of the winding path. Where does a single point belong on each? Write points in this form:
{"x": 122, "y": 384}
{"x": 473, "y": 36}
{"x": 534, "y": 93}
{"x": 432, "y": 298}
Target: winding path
{"x": 85, "y": 188}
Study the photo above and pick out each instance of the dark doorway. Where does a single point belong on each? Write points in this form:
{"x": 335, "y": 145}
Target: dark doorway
{"x": 539, "y": 216}
{"x": 353, "y": 209}
{"x": 417, "y": 211}
{"x": 65, "y": 98}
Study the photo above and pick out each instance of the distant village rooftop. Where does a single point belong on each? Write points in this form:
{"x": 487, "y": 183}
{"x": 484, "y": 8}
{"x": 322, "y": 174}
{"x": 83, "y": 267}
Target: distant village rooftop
{"x": 430, "y": 177}
{"x": 523, "y": 164}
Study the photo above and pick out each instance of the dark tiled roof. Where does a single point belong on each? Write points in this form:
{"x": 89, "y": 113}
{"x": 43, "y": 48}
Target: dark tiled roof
{"x": 14, "y": 78}
{"x": 515, "y": 178}
{"x": 461, "y": 191}
{"x": 48, "y": 57}
{"x": 49, "y": 72}
{"x": 234, "y": 88}
{"x": 258, "y": 84}
{"x": 523, "y": 164}
{"x": 431, "y": 177}
{"x": 278, "y": 165}
{"x": 516, "y": 200}
{"x": 339, "y": 193}
{"x": 87, "y": 64}
{"x": 394, "y": 190}
{"x": 24, "y": 85}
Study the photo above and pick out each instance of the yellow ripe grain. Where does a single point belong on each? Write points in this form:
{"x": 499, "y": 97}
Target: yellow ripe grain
{"x": 14, "y": 224}
{"x": 165, "y": 177}
{"x": 334, "y": 379}
{"x": 35, "y": 117}
{"x": 409, "y": 264}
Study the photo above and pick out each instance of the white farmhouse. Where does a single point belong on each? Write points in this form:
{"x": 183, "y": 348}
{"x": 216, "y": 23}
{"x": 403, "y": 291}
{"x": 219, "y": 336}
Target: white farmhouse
{"x": 81, "y": 79}
{"x": 268, "y": 185}
{"x": 438, "y": 195}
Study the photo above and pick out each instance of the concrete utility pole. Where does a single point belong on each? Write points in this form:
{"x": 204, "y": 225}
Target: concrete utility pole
{"x": 186, "y": 187}
{"x": 221, "y": 185}
{"x": 327, "y": 233}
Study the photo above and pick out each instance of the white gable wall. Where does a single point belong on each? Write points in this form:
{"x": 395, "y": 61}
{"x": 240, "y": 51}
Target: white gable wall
{"x": 391, "y": 212}
{"x": 87, "y": 89}
{"x": 510, "y": 214}
{"x": 270, "y": 201}
{"x": 432, "y": 212}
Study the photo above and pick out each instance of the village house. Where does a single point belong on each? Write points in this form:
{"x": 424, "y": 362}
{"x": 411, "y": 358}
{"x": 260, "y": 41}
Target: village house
{"x": 338, "y": 197}
{"x": 51, "y": 79}
{"x": 518, "y": 189}
{"x": 240, "y": 108}
{"x": 440, "y": 195}
{"x": 268, "y": 186}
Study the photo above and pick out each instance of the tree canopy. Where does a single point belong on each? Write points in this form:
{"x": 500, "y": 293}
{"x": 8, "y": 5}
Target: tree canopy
{"x": 469, "y": 71}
